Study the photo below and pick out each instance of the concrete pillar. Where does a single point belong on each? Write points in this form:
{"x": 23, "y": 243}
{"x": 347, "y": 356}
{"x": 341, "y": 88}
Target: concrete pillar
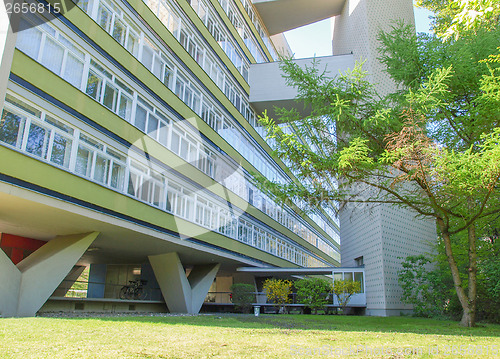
{"x": 10, "y": 278}
{"x": 97, "y": 280}
{"x": 181, "y": 293}
{"x": 30, "y": 283}
{"x": 7, "y": 44}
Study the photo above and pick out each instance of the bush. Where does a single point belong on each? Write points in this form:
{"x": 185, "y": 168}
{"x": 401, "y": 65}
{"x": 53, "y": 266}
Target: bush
{"x": 314, "y": 292}
{"x": 422, "y": 288}
{"x": 344, "y": 290}
{"x": 243, "y": 297}
{"x": 278, "y": 291}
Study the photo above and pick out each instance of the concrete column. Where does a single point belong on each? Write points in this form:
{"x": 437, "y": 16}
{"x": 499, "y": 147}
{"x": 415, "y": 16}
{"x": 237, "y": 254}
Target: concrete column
{"x": 7, "y": 45}
{"x": 182, "y": 294}
{"x": 10, "y": 278}
{"x": 31, "y": 282}
{"x": 201, "y": 279}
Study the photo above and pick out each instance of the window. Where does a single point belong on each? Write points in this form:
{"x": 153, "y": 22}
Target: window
{"x": 358, "y": 277}
{"x": 12, "y": 128}
{"x": 359, "y": 261}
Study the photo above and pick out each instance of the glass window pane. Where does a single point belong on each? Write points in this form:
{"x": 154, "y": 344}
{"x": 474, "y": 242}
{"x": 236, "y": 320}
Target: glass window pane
{"x": 94, "y": 84}
{"x": 140, "y": 118}
{"x": 52, "y": 56}
{"x": 174, "y": 143}
{"x": 38, "y": 140}
{"x": 152, "y": 125}
{"x": 11, "y": 128}
{"x": 119, "y": 30}
{"x": 109, "y": 99}
{"x": 125, "y": 109}
{"x": 147, "y": 56}
{"x": 73, "y": 71}
{"x": 184, "y": 149}
{"x": 61, "y": 150}
{"x": 117, "y": 176}
{"x": 163, "y": 135}
{"x": 104, "y": 17}
{"x": 157, "y": 66}
{"x": 29, "y": 40}
{"x": 132, "y": 184}
{"x": 83, "y": 161}
{"x": 101, "y": 169}
{"x": 132, "y": 43}
{"x": 358, "y": 277}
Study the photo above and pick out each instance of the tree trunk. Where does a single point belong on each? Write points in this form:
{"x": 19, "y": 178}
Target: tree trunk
{"x": 468, "y": 317}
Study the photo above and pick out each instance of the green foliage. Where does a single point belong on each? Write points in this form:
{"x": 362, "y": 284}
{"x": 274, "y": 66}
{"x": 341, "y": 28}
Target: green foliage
{"x": 428, "y": 285}
{"x": 422, "y": 288}
{"x": 433, "y": 146}
{"x": 243, "y": 296}
{"x": 456, "y": 17}
{"x": 278, "y": 290}
{"x": 314, "y": 292}
{"x": 344, "y": 289}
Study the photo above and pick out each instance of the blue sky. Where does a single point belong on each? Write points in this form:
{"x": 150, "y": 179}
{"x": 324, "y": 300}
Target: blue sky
{"x": 315, "y": 39}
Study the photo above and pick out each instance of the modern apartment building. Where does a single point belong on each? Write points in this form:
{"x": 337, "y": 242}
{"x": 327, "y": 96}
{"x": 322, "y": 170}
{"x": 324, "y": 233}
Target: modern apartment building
{"x": 129, "y": 144}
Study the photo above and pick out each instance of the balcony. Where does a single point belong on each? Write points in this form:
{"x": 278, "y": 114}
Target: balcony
{"x": 268, "y": 87}
{"x": 283, "y": 15}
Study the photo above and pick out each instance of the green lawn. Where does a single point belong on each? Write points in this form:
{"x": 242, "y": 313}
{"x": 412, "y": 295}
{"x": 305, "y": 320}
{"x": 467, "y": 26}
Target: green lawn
{"x": 243, "y": 336}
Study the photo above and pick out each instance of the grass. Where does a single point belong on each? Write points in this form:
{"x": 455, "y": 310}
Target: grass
{"x": 241, "y": 336}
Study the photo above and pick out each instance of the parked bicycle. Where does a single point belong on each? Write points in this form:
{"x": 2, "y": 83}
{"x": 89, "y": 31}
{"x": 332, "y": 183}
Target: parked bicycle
{"x": 134, "y": 290}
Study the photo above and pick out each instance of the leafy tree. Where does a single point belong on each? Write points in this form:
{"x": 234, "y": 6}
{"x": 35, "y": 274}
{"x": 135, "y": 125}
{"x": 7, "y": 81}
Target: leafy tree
{"x": 453, "y": 17}
{"x": 278, "y": 291}
{"x": 314, "y": 292}
{"x": 422, "y": 288}
{"x": 432, "y": 147}
{"x": 344, "y": 289}
{"x": 243, "y": 296}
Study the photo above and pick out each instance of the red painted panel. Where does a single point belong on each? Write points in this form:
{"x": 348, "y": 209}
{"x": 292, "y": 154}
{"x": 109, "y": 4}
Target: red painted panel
{"x": 17, "y": 255}
{"x": 13, "y": 241}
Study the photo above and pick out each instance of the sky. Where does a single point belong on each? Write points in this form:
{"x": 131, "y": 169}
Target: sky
{"x": 316, "y": 39}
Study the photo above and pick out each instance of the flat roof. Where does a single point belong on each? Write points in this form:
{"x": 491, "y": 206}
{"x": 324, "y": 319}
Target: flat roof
{"x": 299, "y": 271}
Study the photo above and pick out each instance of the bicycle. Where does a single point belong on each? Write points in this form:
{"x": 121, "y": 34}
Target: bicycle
{"x": 134, "y": 290}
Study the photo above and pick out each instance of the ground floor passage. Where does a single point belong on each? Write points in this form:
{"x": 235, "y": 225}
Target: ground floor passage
{"x": 55, "y": 249}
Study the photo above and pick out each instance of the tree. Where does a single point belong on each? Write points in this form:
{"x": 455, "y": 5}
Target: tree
{"x": 432, "y": 147}
{"x": 454, "y": 17}
{"x": 314, "y": 292}
{"x": 344, "y": 289}
{"x": 243, "y": 296}
{"x": 278, "y": 291}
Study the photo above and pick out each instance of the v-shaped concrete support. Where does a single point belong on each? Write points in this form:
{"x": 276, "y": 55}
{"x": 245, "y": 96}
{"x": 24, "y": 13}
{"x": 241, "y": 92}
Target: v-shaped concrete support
{"x": 182, "y": 294}
{"x": 25, "y": 287}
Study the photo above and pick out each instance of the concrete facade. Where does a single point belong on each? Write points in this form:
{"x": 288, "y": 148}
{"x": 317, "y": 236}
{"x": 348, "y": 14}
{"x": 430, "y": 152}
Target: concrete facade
{"x": 361, "y": 41}
{"x": 382, "y": 236}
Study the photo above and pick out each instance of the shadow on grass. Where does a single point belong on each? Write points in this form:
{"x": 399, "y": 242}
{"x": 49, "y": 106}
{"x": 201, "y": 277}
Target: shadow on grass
{"x": 318, "y": 322}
